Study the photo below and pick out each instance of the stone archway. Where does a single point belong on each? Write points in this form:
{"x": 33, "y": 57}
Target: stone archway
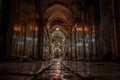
{"x": 57, "y": 26}
{"x": 58, "y": 38}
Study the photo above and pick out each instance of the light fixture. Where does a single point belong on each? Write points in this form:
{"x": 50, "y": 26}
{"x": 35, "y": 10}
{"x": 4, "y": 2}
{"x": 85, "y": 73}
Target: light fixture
{"x": 57, "y": 29}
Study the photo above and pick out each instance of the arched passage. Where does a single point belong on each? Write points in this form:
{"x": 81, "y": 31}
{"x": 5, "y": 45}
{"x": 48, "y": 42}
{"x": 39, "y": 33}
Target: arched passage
{"x": 57, "y": 27}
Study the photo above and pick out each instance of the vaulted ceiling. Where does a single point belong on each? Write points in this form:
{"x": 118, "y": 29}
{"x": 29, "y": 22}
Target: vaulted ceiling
{"x": 57, "y": 11}
{"x": 58, "y": 14}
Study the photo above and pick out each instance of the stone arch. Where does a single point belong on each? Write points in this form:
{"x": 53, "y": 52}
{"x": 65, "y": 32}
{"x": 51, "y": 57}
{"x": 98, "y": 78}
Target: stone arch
{"x": 57, "y": 10}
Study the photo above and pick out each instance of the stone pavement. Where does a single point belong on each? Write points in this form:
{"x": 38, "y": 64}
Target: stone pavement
{"x": 21, "y": 70}
{"x": 58, "y": 72}
{"x": 57, "y": 69}
{"x": 97, "y": 70}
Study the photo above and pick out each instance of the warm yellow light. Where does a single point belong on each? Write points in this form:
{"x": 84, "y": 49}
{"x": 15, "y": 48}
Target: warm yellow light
{"x": 57, "y": 29}
{"x": 36, "y": 28}
{"x": 30, "y": 28}
{"x": 16, "y": 28}
{"x": 86, "y": 29}
{"x": 79, "y": 29}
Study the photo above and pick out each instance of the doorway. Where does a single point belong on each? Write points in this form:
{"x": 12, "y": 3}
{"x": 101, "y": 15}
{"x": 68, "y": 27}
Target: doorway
{"x": 57, "y": 42}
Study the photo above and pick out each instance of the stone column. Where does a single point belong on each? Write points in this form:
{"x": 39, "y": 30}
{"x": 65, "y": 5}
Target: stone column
{"x": 39, "y": 21}
{"x": 105, "y": 29}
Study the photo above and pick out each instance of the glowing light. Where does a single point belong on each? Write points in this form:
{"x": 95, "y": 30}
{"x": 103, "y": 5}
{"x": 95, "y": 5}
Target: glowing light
{"x": 57, "y": 70}
{"x": 86, "y": 29}
{"x": 79, "y": 29}
{"x": 31, "y": 27}
{"x": 57, "y": 29}
{"x": 36, "y": 28}
{"x": 17, "y": 28}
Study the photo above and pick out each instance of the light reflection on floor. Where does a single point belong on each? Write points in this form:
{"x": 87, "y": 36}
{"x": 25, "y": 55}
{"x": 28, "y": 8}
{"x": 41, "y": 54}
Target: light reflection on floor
{"x": 54, "y": 72}
{"x": 57, "y": 70}
{"x": 98, "y": 70}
